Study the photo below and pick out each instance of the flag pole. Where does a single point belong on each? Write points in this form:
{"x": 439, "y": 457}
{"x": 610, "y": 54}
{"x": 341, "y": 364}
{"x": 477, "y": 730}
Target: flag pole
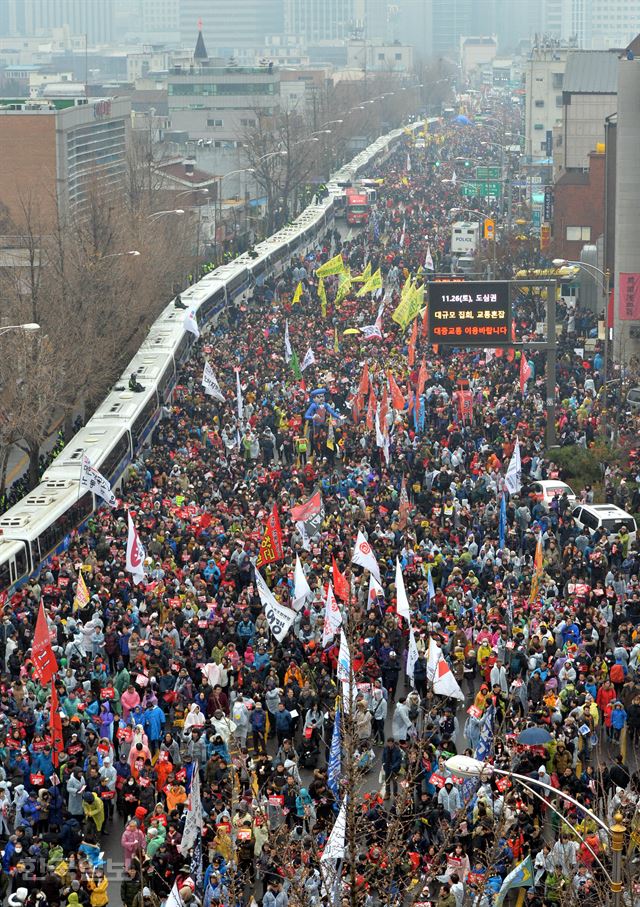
{"x": 82, "y": 453}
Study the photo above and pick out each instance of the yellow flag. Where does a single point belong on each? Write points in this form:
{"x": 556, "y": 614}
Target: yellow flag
{"x": 364, "y": 277}
{"x": 344, "y": 289}
{"x": 297, "y": 296}
{"x": 322, "y": 296}
{"x": 404, "y": 181}
{"x": 336, "y": 345}
{"x": 409, "y": 306}
{"x": 374, "y": 283}
{"x": 335, "y": 265}
{"x": 82, "y": 594}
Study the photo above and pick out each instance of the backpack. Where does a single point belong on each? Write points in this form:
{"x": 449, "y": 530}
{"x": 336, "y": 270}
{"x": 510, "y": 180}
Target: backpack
{"x": 616, "y": 674}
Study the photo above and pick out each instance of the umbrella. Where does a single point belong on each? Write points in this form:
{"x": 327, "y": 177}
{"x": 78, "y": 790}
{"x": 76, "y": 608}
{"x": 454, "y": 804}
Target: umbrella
{"x": 534, "y": 736}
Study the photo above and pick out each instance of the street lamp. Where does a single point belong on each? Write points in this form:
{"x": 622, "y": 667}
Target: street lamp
{"x": 28, "y": 327}
{"x": 468, "y": 767}
{"x": 178, "y": 211}
{"x": 192, "y": 191}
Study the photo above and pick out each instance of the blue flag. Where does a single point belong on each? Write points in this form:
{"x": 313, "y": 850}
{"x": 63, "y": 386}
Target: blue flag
{"x": 334, "y": 767}
{"x": 503, "y": 521}
{"x": 483, "y": 751}
{"x": 519, "y": 877}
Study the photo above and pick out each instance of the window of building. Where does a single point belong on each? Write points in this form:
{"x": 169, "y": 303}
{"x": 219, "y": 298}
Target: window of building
{"x": 540, "y": 103}
{"x": 398, "y": 56}
{"x": 558, "y": 79}
{"x": 577, "y": 234}
{"x": 247, "y": 122}
{"x": 380, "y": 56}
{"x": 215, "y": 123}
{"x": 538, "y": 126}
{"x": 558, "y": 100}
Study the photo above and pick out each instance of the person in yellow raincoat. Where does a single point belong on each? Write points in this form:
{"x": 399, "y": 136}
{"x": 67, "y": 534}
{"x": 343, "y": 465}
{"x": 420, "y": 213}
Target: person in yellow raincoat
{"x": 93, "y": 808}
{"x": 99, "y": 889}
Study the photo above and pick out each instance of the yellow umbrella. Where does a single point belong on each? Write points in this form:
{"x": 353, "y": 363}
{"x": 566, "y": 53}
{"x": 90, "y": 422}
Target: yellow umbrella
{"x": 351, "y": 331}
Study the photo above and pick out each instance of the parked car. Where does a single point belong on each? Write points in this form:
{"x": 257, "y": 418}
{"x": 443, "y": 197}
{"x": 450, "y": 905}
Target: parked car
{"x": 547, "y": 489}
{"x": 605, "y": 516}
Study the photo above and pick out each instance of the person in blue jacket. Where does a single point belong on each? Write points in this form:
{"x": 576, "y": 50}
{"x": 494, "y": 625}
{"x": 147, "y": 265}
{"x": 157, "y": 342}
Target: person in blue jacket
{"x": 153, "y": 721}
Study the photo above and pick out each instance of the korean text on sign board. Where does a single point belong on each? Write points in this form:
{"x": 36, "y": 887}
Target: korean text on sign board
{"x": 469, "y": 314}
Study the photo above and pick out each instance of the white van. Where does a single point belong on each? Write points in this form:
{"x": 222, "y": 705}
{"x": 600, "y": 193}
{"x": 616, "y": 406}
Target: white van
{"x": 604, "y": 516}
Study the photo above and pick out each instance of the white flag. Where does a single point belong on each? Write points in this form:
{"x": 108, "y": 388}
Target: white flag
{"x": 344, "y": 659}
{"x": 239, "y": 402}
{"x": 454, "y": 178}
{"x": 301, "y": 588}
{"x": 94, "y": 481}
{"x": 190, "y": 322}
{"x": 334, "y": 848}
{"x": 408, "y": 162}
{"x": 210, "y": 383}
{"x": 375, "y": 590}
{"x": 404, "y": 227}
{"x": 309, "y": 359}
{"x": 402, "y": 606}
{"x": 489, "y": 355}
{"x": 412, "y": 656}
{"x": 173, "y": 898}
{"x": 434, "y": 654}
{"x": 428, "y": 260}
{"x": 513, "y": 478}
{"x": 135, "y": 553}
{"x": 332, "y": 617}
{"x": 374, "y": 331}
{"x": 363, "y": 556}
{"x": 380, "y": 438}
{"x": 278, "y": 617}
{"x": 444, "y": 683}
{"x": 193, "y": 815}
{"x": 288, "y": 351}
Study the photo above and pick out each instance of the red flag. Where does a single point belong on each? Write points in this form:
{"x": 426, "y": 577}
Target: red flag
{"x": 356, "y": 408}
{"x": 422, "y": 378}
{"x": 397, "y": 400}
{"x": 272, "y": 545}
{"x": 55, "y": 722}
{"x": 511, "y": 353}
{"x": 525, "y": 371}
{"x": 404, "y": 506}
{"x": 364, "y": 381}
{"x": 425, "y": 323}
{"x": 384, "y": 409}
{"x": 340, "y": 582}
{"x": 371, "y": 409}
{"x": 44, "y": 661}
{"x": 411, "y": 352}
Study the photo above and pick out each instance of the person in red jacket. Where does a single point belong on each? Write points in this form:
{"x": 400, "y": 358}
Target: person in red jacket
{"x": 605, "y": 695}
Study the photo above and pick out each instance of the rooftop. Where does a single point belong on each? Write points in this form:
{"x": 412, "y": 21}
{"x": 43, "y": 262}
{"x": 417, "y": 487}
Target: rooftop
{"x": 591, "y": 72}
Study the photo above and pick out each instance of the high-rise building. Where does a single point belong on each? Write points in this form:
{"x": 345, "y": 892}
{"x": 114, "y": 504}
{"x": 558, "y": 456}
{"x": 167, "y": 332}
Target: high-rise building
{"x": 544, "y": 77}
{"x": 321, "y": 20}
{"x": 231, "y": 25}
{"x": 59, "y": 149}
{"x": 33, "y": 17}
{"x": 626, "y": 336}
{"x": 595, "y": 24}
{"x": 220, "y": 102}
{"x": 450, "y": 21}
{"x": 160, "y": 17}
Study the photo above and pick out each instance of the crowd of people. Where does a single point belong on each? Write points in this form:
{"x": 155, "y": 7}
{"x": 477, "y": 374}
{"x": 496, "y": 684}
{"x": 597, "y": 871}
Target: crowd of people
{"x": 178, "y": 683}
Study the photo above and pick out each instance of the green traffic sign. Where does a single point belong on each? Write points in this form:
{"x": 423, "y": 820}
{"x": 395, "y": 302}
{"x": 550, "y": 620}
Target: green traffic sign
{"x": 488, "y": 173}
{"x": 481, "y": 188}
